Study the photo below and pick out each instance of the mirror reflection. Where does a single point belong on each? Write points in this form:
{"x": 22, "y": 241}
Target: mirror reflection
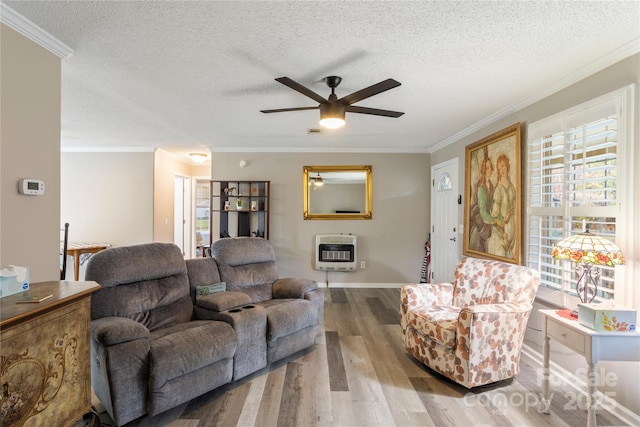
{"x": 337, "y": 192}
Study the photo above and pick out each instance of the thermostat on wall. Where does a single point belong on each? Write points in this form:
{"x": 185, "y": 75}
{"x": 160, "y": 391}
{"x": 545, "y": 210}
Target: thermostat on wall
{"x": 31, "y": 187}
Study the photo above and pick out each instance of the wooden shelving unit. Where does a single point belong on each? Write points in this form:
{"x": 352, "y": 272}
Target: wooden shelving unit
{"x": 239, "y": 208}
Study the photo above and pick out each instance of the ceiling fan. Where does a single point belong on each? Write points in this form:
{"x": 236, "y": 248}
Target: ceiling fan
{"x": 332, "y": 109}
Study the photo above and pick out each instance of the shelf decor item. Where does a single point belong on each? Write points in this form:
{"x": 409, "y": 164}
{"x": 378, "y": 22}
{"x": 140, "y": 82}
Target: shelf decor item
{"x": 588, "y": 250}
{"x": 239, "y": 204}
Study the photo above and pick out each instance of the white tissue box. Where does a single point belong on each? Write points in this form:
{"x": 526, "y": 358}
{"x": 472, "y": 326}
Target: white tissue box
{"x": 13, "y": 279}
{"x": 607, "y": 317}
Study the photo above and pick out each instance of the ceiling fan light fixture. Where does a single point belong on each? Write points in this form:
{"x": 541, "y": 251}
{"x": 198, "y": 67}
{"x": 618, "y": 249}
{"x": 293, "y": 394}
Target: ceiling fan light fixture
{"x": 332, "y": 115}
{"x": 318, "y": 182}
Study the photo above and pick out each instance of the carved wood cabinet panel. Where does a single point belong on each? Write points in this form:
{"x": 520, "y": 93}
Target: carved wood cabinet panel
{"x": 45, "y": 370}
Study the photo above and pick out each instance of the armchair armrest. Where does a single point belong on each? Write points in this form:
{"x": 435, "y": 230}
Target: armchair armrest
{"x": 503, "y": 307}
{"x": 116, "y": 330}
{"x": 417, "y": 295}
{"x": 223, "y": 301}
{"x": 490, "y": 337}
{"x": 292, "y": 287}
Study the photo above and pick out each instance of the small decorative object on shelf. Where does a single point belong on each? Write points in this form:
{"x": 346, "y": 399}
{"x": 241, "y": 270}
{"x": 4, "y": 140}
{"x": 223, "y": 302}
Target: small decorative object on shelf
{"x": 226, "y": 205}
{"x": 239, "y": 203}
{"x": 254, "y": 205}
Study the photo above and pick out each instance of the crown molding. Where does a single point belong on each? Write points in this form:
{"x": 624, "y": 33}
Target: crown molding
{"x": 372, "y": 150}
{"x": 106, "y": 149}
{"x": 22, "y": 25}
{"x": 623, "y": 52}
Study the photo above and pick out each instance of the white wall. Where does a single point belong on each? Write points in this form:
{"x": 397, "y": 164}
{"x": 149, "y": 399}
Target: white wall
{"x": 121, "y": 198}
{"x": 392, "y": 243}
{"x": 627, "y": 374}
{"x": 107, "y": 197}
{"x": 29, "y": 148}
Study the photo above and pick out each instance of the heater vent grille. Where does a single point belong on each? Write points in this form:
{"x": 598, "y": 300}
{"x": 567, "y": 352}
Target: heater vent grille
{"x": 336, "y": 252}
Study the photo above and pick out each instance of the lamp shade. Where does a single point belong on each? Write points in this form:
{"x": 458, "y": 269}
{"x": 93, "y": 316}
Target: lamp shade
{"x": 588, "y": 248}
{"x": 332, "y": 115}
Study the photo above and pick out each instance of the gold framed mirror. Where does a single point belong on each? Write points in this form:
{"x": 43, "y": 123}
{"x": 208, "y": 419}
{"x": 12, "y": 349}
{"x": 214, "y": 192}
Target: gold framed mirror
{"x": 337, "y": 192}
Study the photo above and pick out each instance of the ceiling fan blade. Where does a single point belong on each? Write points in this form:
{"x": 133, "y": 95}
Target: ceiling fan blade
{"x": 369, "y": 91}
{"x": 302, "y": 89}
{"x": 282, "y": 110}
{"x": 373, "y": 111}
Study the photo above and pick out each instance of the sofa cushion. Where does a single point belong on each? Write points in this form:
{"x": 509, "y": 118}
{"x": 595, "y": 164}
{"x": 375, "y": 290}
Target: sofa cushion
{"x": 438, "y": 323}
{"x": 147, "y": 283}
{"x": 286, "y": 316}
{"x": 256, "y": 280}
{"x": 242, "y": 250}
{"x": 223, "y": 301}
{"x": 202, "y": 271}
{"x": 180, "y": 349}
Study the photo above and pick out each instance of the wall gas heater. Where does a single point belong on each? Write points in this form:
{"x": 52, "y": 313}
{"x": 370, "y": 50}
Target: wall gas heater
{"x": 336, "y": 252}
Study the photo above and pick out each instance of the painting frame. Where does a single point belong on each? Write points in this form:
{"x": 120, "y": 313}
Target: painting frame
{"x": 493, "y": 197}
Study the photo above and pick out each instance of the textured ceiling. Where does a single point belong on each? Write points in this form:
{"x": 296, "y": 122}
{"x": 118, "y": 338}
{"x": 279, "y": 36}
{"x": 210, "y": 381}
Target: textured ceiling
{"x": 183, "y": 75}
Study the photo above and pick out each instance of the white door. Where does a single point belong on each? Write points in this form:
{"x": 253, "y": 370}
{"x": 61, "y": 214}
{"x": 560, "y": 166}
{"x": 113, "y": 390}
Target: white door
{"x": 182, "y": 214}
{"x": 445, "y": 236}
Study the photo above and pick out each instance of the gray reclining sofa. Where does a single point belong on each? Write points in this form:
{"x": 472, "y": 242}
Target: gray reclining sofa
{"x": 156, "y": 344}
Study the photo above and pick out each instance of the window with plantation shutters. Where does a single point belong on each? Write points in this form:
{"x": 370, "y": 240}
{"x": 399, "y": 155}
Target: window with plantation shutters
{"x": 573, "y": 178}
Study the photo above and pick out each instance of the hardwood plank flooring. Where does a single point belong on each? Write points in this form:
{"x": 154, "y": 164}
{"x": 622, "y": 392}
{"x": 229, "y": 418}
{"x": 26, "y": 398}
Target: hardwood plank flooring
{"x": 360, "y": 375}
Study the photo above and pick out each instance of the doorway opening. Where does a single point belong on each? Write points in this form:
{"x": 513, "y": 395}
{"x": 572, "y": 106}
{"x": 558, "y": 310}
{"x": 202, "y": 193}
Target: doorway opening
{"x": 182, "y": 214}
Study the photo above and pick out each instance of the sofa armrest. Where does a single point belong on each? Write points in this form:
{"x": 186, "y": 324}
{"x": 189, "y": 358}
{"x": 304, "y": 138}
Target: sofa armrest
{"x": 223, "y": 301}
{"x": 120, "y": 366}
{"x": 116, "y": 330}
{"x": 291, "y": 287}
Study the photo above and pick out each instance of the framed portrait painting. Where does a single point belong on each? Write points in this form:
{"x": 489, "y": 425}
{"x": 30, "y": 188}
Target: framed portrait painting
{"x": 492, "y": 210}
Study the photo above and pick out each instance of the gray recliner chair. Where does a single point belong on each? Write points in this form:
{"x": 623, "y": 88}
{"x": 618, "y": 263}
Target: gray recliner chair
{"x": 289, "y": 310}
{"x": 149, "y": 351}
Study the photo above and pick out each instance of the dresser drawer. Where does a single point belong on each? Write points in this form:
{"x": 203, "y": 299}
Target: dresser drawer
{"x": 566, "y": 336}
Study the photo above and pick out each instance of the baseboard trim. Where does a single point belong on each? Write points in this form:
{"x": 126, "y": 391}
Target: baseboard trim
{"x": 359, "y": 285}
{"x": 580, "y": 386}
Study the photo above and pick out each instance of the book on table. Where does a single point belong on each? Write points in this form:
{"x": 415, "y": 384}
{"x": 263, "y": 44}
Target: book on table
{"x": 28, "y": 297}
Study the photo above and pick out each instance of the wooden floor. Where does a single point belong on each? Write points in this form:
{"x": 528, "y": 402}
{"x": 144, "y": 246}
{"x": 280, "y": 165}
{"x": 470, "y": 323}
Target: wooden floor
{"x": 360, "y": 375}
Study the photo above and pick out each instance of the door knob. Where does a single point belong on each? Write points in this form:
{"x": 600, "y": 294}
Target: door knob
{"x": 453, "y": 239}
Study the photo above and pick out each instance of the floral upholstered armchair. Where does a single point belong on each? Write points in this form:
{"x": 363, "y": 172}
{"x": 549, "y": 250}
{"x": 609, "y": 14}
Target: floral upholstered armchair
{"x": 470, "y": 330}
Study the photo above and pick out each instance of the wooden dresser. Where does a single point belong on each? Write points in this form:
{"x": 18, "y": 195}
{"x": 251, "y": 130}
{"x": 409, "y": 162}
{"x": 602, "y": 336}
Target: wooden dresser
{"x": 45, "y": 370}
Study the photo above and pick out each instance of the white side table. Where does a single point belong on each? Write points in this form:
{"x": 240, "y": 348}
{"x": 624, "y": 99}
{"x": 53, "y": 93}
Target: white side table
{"x": 593, "y": 345}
